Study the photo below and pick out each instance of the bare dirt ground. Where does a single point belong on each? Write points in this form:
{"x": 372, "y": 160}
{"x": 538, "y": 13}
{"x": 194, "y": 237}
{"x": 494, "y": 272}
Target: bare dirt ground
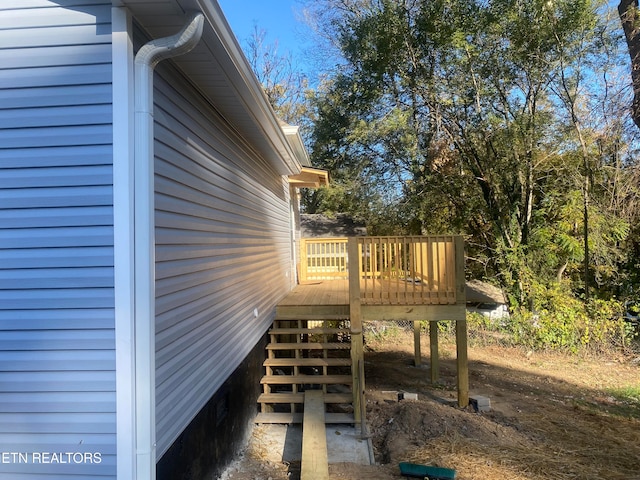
{"x": 553, "y": 416}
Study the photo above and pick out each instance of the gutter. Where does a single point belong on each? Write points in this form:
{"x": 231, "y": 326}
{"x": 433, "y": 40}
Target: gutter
{"x": 144, "y": 242}
{"x": 247, "y": 87}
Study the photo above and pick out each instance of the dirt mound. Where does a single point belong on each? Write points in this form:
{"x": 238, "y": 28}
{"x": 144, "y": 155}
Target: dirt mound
{"x": 402, "y": 427}
{"x": 552, "y": 416}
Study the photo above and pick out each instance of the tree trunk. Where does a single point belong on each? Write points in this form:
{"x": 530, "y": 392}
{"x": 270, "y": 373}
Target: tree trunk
{"x": 630, "y": 18}
{"x": 561, "y": 271}
{"x": 586, "y": 235}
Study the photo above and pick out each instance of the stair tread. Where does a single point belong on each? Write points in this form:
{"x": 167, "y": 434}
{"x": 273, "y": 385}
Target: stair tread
{"x": 310, "y": 316}
{"x": 308, "y": 331}
{"x": 289, "y": 397}
{"x": 306, "y": 379}
{"x": 307, "y": 362}
{"x": 308, "y": 346}
{"x": 288, "y": 418}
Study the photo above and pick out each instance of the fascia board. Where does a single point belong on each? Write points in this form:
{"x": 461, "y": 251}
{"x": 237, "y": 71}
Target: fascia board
{"x": 258, "y": 123}
{"x": 248, "y": 87}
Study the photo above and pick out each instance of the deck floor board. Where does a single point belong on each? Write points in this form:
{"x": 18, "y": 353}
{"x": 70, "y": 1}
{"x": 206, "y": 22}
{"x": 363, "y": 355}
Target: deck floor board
{"x": 336, "y": 293}
{"x": 327, "y": 292}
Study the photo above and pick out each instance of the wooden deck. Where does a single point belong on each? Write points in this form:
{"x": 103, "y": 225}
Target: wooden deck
{"x": 321, "y": 300}
{"x": 321, "y": 292}
{"x": 329, "y": 299}
{"x": 362, "y": 279}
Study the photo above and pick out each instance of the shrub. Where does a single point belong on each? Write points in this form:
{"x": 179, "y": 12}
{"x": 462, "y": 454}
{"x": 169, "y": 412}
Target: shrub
{"x": 561, "y": 321}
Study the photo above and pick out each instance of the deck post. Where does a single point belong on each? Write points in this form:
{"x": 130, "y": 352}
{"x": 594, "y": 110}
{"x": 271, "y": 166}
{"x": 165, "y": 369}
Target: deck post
{"x": 461, "y": 327}
{"x": 303, "y": 260}
{"x": 433, "y": 352}
{"x": 462, "y": 363}
{"x": 355, "y": 315}
{"x": 416, "y": 343}
{"x": 461, "y": 283}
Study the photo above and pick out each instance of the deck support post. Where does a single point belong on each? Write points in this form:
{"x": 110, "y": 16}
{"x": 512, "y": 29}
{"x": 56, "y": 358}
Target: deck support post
{"x": 416, "y": 343}
{"x": 303, "y": 261}
{"x": 433, "y": 352}
{"x": 462, "y": 363}
{"x": 461, "y": 326}
{"x": 355, "y": 315}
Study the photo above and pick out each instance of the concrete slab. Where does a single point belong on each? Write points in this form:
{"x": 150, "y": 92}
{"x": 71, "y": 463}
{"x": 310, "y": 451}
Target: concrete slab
{"x": 344, "y": 444}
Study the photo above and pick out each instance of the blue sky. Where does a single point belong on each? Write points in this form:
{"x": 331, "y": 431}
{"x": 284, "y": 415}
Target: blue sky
{"x": 276, "y": 17}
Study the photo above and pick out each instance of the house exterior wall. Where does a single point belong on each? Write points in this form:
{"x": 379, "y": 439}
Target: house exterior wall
{"x": 219, "y": 431}
{"x": 57, "y": 351}
{"x": 223, "y": 252}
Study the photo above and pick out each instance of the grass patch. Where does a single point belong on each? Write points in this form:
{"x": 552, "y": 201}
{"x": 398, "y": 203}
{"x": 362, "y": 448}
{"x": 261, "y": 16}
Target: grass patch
{"x": 627, "y": 401}
{"x": 623, "y": 402}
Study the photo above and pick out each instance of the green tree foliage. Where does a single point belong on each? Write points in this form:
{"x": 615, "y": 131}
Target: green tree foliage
{"x": 499, "y": 119}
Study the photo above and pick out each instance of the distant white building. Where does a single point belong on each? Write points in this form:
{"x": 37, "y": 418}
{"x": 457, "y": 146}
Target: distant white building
{"x": 486, "y": 299}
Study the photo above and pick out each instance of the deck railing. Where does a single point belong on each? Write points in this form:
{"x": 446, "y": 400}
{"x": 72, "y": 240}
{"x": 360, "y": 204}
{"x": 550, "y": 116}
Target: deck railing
{"x": 416, "y": 278}
{"x": 393, "y": 270}
{"x": 414, "y": 270}
{"x": 323, "y": 259}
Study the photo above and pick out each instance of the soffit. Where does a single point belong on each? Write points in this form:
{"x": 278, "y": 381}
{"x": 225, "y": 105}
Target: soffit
{"x": 219, "y": 69}
{"x": 310, "y": 178}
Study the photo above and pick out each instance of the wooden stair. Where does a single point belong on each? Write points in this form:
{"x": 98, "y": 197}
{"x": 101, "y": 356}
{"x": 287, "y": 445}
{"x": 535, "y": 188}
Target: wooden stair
{"x": 311, "y": 353}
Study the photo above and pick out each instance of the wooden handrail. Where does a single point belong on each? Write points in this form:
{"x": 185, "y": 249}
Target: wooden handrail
{"x": 392, "y": 270}
{"x": 323, "y": 259}
{"x": 409, "y": 270}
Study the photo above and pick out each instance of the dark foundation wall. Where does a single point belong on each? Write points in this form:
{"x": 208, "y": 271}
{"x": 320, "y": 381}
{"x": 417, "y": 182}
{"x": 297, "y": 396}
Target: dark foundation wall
{"x": 219, "y": 431}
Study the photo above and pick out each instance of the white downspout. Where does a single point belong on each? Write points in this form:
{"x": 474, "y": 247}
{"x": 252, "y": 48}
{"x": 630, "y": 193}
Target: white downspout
{"x": 144, "y": 244}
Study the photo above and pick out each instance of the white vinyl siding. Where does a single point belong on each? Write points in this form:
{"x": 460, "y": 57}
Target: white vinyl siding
{"x": 57, "y": 346}
{"x": 223, "y": 252}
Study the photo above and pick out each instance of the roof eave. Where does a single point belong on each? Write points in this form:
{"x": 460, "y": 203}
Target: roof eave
{"x": 222, "y": 73}
{"x": 310, "y": 178}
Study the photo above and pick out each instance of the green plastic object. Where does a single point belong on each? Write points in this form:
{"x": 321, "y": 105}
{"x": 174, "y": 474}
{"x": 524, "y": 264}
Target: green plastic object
{"x": 414, "y": 470}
